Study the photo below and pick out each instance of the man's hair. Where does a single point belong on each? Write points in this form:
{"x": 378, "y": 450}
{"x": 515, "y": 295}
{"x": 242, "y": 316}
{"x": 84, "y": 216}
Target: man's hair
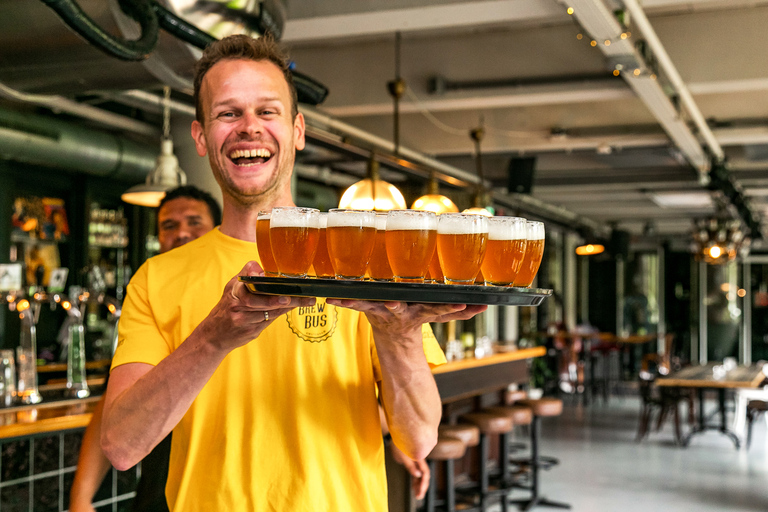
{"x": 243, "y": 47}
{"x": 192, "y": 192}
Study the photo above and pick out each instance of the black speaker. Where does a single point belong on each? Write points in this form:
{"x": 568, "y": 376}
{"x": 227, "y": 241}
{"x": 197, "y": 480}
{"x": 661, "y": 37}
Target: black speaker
{"x": 618, "y": 245}
{"x": 520, "y": 175}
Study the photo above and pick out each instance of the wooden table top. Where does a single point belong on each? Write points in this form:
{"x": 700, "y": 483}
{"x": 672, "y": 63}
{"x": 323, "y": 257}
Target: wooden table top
{"x": 498, "y": 357}
{"x": 46, "y": 417}
{"x": 701, "y": 376}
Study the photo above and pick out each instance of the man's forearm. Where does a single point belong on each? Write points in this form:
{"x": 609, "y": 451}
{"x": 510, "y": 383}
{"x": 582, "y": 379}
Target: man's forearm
{"x": 409, "y": 396}
{"x": 145, "y": 403}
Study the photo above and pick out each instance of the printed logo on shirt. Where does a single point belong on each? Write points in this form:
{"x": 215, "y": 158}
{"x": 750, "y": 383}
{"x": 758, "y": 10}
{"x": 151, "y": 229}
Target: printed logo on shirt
{"x": 315, "y": 323}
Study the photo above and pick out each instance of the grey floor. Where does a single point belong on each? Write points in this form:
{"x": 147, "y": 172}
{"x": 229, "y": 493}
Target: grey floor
{"x": 603, "y": 469}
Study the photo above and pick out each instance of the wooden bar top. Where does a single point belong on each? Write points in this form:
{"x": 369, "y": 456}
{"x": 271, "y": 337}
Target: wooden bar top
{"x": 27, "y": 420}
{"x": 701, "y": 376}
{"x": 499, "y": 357}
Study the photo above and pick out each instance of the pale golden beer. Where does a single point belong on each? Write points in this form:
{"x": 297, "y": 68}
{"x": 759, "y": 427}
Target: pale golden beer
{"x": 534, "y": 251}
{"x": 507, "y": 239}
{"x": 435, "y": 273}
{"x": 410, "y": 239}
{"x": 264, "y": 246}
{"x": 322, "y": 262}
{"x": 294, "y": 235}
{"x": 378, "y": 267}
{"x": 351, "y": 236}
{"x": 461, "y": 243}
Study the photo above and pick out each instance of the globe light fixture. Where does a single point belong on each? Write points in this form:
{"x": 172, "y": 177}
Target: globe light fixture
{"x": 372, "y": 193}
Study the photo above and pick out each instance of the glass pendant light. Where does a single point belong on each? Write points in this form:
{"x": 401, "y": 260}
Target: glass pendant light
{"x": 433, "y": 201}
{"x": 372, "y": 193}
{"x": 166, "y": 175}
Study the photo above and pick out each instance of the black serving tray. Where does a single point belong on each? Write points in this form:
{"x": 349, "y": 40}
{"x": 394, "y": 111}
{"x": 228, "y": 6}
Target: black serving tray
{"x": 401, "y": 292}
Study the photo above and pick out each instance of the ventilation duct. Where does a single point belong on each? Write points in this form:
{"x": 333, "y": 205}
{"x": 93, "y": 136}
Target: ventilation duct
{"x": 43, "y": 140}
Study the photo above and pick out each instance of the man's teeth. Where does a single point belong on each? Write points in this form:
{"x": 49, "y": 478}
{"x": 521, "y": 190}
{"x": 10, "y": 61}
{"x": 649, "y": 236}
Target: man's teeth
{"x": 250, "y": 153}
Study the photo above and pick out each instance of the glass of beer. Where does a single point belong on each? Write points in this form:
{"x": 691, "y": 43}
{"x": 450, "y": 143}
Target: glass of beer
{"x": 534, "y": 251}
{"x": 322, "y": 262}
{"x": 507, "y": 239}
{"x": 264, "y": 246}
{"x": 378, "y": 267}
{"x": 461, "y": 243}
{"x": 294, "y": 233}
{"x": 351, "y": 235}
{"x": 410, "y": 240}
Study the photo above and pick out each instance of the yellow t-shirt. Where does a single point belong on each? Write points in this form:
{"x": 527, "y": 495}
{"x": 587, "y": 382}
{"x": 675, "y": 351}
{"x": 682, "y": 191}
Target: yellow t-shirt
{"x": 288, "y": 421}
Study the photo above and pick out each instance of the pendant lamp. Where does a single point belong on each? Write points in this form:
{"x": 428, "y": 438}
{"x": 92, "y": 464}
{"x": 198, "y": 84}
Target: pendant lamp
{"x": 166, "y": 175}
{"x": 476, "y": 135}
{"x": 433, "y": 201}
{"x": 372, "y": 193}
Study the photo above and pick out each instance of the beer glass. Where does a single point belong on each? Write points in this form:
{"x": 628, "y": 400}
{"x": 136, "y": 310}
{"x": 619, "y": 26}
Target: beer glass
{"x": 410, "y": 239}
{"x": 534, "y": 251}
{"x": 507, "y": 239}
{"x": 378, "y": 267}
{"x": 294, "y": 233}
{"x": 77, "y": 384}
{"x": 322, "y": 261}
{"x": 435, "y": 273}
{"x": 264, "y": 246}
{"x": 351, "y": 235}
{"x": 461, "y": 243}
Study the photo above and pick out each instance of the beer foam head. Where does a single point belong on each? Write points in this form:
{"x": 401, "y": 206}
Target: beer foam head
{"x": 507, "y": 228}
{"x": 294, "y": 217}
{"x": 535, "y": 230}
{"x": 322, "y": 220}
{"x": 339, "y": 217}
{"x": 381, "y": 221}
{"x": 461, "y": 224}
{"x": 410, "y": 219}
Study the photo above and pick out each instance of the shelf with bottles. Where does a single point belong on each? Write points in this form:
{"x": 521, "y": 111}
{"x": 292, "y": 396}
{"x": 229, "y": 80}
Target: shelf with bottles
{"x": 107, "y": 228}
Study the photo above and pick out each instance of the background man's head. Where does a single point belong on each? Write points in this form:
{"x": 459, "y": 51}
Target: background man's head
{"x": 242, "y": 47}
{"x": 184, "y": 214}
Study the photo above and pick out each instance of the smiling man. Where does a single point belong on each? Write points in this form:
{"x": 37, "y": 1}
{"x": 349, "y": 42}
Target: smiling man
{"x": 269, "y": 411}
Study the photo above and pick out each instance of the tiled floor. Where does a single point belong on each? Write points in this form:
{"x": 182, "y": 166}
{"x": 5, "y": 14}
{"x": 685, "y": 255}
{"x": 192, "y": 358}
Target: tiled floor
{"x": 603, "y": 469}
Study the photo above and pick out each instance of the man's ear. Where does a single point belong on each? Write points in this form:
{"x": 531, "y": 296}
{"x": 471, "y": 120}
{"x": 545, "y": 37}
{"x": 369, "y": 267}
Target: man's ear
{"x": 298, "y": 131}
{"x": 198, "y": 134}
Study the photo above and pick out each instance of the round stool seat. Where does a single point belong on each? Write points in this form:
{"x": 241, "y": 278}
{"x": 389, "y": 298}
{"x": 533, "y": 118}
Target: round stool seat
{"x": 510, "y": 397}
{"x": 758, "y": 405}
{"x": 519, "y": 414}
{"x": 466, "y": 433}
{"x": 544, "y": 406}
{"x": 490, "y": 423}
{"x": 447, "y": 448}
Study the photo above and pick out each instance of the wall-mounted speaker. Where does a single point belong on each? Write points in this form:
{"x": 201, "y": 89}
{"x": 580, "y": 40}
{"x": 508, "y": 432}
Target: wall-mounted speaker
{"x": 520, "y": 174}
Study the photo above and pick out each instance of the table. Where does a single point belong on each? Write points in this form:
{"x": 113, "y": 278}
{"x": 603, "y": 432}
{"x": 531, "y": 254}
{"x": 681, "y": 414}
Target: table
{"x": 701, "y": 377}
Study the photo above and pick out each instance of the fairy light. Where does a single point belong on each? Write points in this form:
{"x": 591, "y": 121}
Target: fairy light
{"x": 593, "y": 43}
{"x": 570, "y": 10}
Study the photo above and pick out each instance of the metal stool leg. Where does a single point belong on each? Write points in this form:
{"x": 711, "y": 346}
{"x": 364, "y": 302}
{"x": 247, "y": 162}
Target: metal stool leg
{"x": 535, "y": 499}
{"x": 429, "y": 499}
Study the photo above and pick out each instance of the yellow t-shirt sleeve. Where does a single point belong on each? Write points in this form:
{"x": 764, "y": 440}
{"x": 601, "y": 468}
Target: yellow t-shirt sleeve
{"x": 140, "y": 340}
{"x": 432, "y": 351}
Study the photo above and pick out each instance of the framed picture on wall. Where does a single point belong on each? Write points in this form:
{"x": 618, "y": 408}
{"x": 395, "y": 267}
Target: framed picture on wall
{"x": 39, "y": 218}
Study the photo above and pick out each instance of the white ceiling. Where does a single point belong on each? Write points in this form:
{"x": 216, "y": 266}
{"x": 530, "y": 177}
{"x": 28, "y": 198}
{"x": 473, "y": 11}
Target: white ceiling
{"x": 718, "y": 47}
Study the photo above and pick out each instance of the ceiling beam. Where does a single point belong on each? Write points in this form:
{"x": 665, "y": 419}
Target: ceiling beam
{"x": 434, "y": 17}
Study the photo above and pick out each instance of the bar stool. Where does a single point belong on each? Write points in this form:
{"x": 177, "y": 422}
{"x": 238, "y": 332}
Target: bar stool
{"x": 542, "y": 407}
{"x": 520, "y": 415}
{"x": 488, "y": 423}
{"x": 447, "y": 450}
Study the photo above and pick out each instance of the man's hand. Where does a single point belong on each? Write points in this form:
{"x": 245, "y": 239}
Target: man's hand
{"x": 418, "y": 469}
{"x": 402, "y": 318}
{"x": 241, "y": 316}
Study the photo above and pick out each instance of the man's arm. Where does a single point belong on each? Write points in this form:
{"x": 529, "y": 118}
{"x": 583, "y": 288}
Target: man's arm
{"x": 408, "y": 390}
{"x": 144, "y": 403}
{"x": 92, "y": 465}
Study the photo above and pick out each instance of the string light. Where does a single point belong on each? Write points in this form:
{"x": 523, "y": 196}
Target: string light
{"x": 607, "y": 42}
{"x": 637, "y": 72}
{"x": 593, "y": 43}
{"x": 570, "y": 10}
{"x": 579, "y": 36}
{"x": 624, "y": 35}
{"x": 616, "y": 72}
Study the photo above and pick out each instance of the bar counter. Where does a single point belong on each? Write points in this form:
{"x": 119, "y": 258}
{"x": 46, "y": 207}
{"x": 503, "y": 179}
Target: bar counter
{"x": 28, "y": 420}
